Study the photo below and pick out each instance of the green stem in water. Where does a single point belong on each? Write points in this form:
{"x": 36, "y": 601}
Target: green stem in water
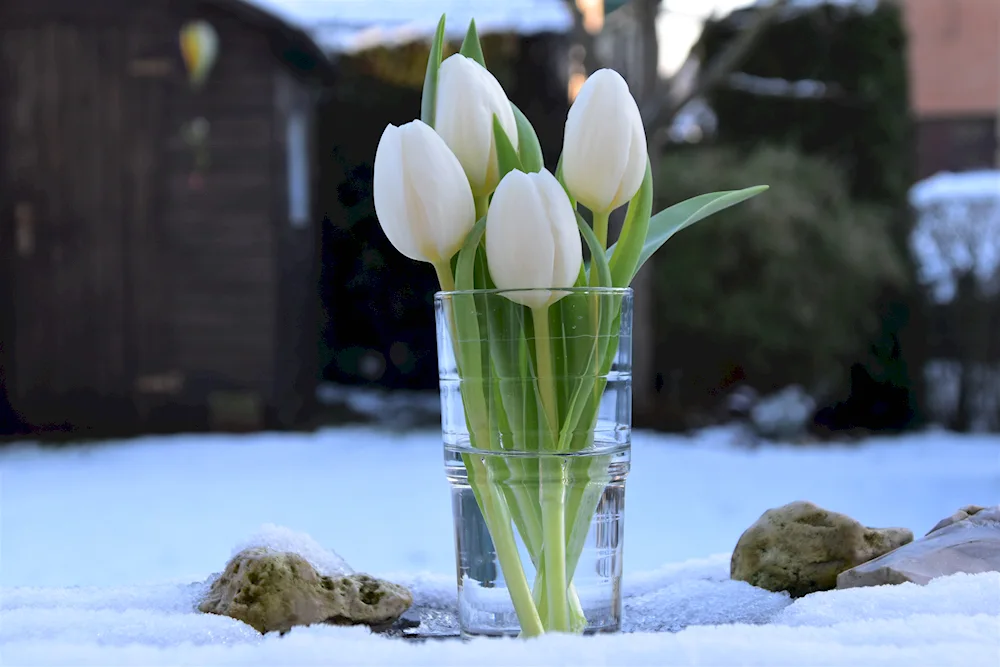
{"x": 552, "y": 487}
{"x": 489, "y": 496}
{"x": 546, "y": 370}
{"x": 498, "y": 519}
{"x": 553, "y": 494}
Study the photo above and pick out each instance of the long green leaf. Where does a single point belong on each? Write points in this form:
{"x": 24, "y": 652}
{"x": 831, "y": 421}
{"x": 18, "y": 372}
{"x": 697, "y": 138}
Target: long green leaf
{"x": 428, "y": 100}
{"x": 598, "y": 259}
{"x": 591, "y": 344}
{"x": 680, "y": 216}
{"x": 528, "y": 147}
{"x": 465, "y": 266}
{"x": 507, "y": 158}
{"x": 471, "y": 48}
{"x": 629, "y": 247}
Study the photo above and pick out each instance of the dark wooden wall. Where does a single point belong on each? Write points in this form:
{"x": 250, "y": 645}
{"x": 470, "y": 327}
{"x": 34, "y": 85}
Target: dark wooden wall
{"x": 145, "y": 286}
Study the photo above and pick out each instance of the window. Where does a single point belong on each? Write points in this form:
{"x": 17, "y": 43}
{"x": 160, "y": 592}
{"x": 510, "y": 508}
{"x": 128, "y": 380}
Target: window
{"x": 297, "y": 141}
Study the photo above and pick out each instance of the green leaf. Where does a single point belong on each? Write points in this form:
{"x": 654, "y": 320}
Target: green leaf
{"x": 428, "y": 99}
{"x": 680, "y": 216}
{"x": 624, "y": 262}
{"x": 595, "y": 311}
{"x": 465, "y": 266}
{"x": 528, "y": 147}
{"x": 598, "y": 259}
{"x": 471, "y": 48}
{"x": 507, "y": 159}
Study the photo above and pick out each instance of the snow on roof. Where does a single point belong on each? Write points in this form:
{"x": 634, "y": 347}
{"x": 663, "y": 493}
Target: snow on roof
{"x": 983, "y": 184}
{"x": 349, "y": 26}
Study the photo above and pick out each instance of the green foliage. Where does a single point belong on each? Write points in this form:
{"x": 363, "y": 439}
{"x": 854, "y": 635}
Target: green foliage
{"x": 862, "y": 123}
{"x": 779, "y": 286}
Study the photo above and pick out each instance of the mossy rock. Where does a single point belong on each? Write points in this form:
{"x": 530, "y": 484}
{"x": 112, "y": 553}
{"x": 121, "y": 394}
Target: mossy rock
{"x": 275, "y": 591}
{"x": 800, "y": 548}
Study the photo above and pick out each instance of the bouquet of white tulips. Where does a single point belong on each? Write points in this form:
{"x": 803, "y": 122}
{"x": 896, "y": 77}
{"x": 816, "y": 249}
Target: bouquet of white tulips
{"x": 464, "y": 188}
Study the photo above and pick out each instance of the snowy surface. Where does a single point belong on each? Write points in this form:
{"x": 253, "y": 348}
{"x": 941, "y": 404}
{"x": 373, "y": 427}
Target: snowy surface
{"x": 106, "y": 548}
{"x": 958, "y": 230}
{"x": 355, "y": 25}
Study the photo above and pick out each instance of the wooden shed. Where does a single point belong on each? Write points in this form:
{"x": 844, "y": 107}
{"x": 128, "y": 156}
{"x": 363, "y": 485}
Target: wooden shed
{"x": 158, "y": 241}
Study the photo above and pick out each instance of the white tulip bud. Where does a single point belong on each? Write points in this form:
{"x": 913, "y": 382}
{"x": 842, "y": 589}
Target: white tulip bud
{"x": 604, "y": 148}
{"x": 422, "y": 198}
{"x": 532, "y": 239}
{"x": 467, "y": 98}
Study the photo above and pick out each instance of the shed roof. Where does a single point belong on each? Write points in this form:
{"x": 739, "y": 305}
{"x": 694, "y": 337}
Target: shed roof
{"x": 348, "y": 26}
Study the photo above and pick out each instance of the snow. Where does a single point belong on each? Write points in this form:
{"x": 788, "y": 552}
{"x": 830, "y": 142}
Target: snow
{"x": 279, "y": 538}
{"x": 983, "y": 183}
{"x": 958, "y": 230}
{"x": 775, "y": 87}
{"x": 106, "y": 548}
{"x": 347, "y": 26}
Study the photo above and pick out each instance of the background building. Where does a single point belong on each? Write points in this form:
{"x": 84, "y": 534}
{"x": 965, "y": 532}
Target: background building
{"x": 955, "y": 82}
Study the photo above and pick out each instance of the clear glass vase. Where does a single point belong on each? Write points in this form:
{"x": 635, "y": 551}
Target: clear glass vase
{"x": 536, "y": 421}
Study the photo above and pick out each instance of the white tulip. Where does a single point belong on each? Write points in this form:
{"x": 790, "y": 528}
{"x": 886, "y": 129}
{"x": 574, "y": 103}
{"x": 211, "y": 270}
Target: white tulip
{"x": 532, "y": 239}
{"x": 467, "y": 98}
{"x": 422, "y": 198}
{"x": 604, "y": 148}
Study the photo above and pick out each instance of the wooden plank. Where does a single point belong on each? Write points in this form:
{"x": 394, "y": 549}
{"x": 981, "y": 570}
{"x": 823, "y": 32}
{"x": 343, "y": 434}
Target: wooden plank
{"x": 234, "y": 161}
{"x": 151, "y": 315}
{"x": 250, "y": 184}
{"x": 55, "y": 187}
{"x": 215, "y": 217}
{"x": 18, "y": 65}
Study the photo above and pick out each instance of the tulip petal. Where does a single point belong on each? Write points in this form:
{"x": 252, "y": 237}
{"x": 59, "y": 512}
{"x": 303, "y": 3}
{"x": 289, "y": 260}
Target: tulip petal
{"x": 441, "y": 216}
{"x": 422, "y": 198}
{"x": 598, "y": 140}
{"x": 568, "y": 256}
{"x": 635, "y": 167}
{"x": 388, "y": 192}
{"x": 468, "y": 96}
{"x": 519, "y": 243}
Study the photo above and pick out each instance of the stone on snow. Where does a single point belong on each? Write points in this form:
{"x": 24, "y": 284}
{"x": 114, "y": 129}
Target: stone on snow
{"x": 274, "y": 591}
{"x": 968, "y": 545}
{"x": 800, "y": 548}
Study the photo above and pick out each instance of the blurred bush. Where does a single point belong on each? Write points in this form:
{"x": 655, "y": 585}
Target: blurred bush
{"x": 847, "y": 100}
{"x": 773, "y": 292}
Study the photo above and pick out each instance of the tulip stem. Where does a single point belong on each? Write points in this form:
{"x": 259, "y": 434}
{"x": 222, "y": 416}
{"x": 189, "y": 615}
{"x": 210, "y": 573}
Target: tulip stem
{"x": 552, "y": 488}
{"x": 482, "y": 206}
{"x": 546, "y": 370}
{"x": 445, "y": 277}
{"x": 601, "y": 232}
{"x": 601, "y": 228}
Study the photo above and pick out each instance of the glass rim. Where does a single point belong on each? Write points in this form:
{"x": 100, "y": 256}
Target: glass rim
{"x": 622, "y": 291}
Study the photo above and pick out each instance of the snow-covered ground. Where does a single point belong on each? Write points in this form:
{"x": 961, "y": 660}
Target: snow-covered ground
{"x": 103, "y": 548}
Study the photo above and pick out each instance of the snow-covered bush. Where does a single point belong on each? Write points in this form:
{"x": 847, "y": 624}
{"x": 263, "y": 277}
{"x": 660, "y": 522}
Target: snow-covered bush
{"x": 956, "y": 242}
{"x": 958, "y": 231}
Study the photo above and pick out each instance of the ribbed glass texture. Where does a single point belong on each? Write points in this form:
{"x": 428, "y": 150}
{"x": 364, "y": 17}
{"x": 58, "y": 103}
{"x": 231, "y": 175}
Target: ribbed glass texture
{"x": 536, "y": 423}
